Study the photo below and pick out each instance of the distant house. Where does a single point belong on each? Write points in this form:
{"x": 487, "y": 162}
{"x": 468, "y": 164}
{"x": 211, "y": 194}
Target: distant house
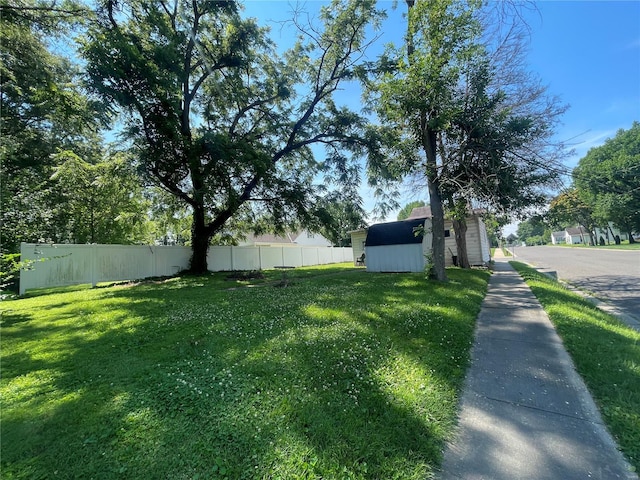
{"x": 580, "y": 235}
{"x": 303, "y": 238}
{"x": 558, "y": 237}
{"x": 609, "y": 233}
{"x": 394, "y": 247}
{"x": 576, "y": 235}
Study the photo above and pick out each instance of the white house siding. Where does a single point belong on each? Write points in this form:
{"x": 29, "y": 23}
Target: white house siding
{"x": 357, "y": 243}
{"x": 308, "y": 239}
{"x": 450, "y": 244}
{"x": 395, "y": 258}
{"x": 576, "y": 238}
{"x": 478, "y": 249}
{"x": 606, "y": 234}
{"x": 485, "y": 247}
{"x": 558, "y": 237}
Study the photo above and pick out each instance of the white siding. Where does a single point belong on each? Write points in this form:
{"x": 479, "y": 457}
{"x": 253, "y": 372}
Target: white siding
{"x": 395, "y": 258}
{"x": 485, "y": 247}
{"x": 478, "y": 249}
{"x": 357, "y": 244}
{"x": 449, "y": 244}
{"x": 308, "y": 239}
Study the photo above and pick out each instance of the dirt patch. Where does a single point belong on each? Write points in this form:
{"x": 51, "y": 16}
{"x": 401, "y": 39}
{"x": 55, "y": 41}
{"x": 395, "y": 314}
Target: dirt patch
{"x": 245, "y": 275}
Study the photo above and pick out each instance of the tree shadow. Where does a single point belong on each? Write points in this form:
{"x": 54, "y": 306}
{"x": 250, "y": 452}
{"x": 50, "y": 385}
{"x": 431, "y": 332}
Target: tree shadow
{"x": 319, "y": 379}
{"x": 606, "y": 353}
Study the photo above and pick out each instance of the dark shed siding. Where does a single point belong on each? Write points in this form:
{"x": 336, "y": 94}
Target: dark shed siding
{"x": 394, "y": 233}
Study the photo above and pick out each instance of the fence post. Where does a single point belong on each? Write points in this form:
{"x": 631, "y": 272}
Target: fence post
{"x": 94, "y": 253}
{"x": 232, "y": 262}
{"x": 22, "y": 288}
{"x": 154, "y": 259}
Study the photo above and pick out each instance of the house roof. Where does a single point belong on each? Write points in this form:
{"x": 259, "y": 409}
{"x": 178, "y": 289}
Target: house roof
{"x": 575, "y": 231}
{"x": 420, "y": 212}
{"x": 425, "y": 212}
{"x": 271, "y": 238}
{"x": 394, "y": 233}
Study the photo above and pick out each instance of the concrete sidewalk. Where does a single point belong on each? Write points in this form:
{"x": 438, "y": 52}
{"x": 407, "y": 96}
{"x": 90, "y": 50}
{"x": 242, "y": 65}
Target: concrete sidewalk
{"x": 525, "y": 412}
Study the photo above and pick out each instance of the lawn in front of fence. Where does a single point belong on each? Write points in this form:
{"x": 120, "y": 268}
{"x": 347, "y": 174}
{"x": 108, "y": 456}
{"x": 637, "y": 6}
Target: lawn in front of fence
{"x": 343, "y": 374}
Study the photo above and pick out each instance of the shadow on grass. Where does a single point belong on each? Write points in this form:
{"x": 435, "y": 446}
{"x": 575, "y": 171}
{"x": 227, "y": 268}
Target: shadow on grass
{"x": 352, "y": 377}
{"x": 606, "y": 354}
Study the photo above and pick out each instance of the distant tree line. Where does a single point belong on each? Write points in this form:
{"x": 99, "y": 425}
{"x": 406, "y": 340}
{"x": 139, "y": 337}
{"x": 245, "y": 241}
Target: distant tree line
{"x": 605, "y": 189}
{"x": 605, "y": 192}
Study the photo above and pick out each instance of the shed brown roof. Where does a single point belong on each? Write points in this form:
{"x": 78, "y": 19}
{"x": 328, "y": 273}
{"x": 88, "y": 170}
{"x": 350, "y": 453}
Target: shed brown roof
{"x": 420, "y": 212}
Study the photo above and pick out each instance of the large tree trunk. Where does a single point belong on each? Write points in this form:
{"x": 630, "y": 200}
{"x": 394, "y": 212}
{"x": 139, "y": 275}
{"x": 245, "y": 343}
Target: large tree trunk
{"x": 437, "y": 227}
{"x": 199, "y": 242}
{"x": 460, "y": 229}
{"x": 435, "y": 200}
{"x": 429, "y": 137}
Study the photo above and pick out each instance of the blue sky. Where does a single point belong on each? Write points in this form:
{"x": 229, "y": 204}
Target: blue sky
{"x": 586, "y": 52}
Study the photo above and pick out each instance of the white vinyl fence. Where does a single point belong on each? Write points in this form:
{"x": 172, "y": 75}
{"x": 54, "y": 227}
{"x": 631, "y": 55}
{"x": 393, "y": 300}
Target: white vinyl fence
{"x": 61, "y": 264}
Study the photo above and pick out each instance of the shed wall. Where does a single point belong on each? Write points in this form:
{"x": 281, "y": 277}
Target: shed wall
{"x": 485, "y": 246}
{"x": 395, "y": 258}
{"x": 477, "y": 242}
{"x": 357, "y": 244}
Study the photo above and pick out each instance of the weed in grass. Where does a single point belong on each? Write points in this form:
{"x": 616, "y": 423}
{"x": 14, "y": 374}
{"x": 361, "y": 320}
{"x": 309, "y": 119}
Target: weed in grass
{"x": 350, "y": 375}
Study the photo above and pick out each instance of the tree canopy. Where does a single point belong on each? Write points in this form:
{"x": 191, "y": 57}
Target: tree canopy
{"x": 534, "y": 231}
{"x": 608, "y": 178}
{"x": 462, "y": 116}
{"x": 44, "y": 111}
{"x": 408, "y": 208}
{"x": 218, "y": 118}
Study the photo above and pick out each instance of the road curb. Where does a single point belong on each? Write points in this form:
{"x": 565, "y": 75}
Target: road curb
{"x": 627, "y": 319}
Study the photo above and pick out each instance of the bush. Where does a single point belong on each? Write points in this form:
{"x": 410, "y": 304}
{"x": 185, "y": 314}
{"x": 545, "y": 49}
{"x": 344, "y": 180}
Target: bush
{"x": 536, "y": 240}
{"x": 9, "y": 272}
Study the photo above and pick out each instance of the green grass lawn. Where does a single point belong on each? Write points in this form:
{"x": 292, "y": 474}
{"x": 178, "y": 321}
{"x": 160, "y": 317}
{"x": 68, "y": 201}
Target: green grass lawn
{"x": 606, "y": 354}
{"x": 342, "y": 374}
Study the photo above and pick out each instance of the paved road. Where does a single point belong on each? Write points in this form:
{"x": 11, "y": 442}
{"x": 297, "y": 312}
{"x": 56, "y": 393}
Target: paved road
{"x": 611, "y": 275}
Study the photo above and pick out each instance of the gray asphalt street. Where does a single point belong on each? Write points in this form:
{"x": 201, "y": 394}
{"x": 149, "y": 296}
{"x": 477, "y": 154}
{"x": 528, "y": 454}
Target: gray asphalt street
{"x": 611, "y": 275}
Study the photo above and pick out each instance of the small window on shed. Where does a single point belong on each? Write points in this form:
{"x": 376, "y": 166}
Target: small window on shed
{"x": 447, "y": 233}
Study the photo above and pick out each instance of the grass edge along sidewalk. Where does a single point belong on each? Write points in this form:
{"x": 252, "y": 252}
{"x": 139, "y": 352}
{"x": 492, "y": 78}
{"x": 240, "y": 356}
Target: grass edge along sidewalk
{"x": 336, "y": 376}
{"x": 606, "y": 354}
